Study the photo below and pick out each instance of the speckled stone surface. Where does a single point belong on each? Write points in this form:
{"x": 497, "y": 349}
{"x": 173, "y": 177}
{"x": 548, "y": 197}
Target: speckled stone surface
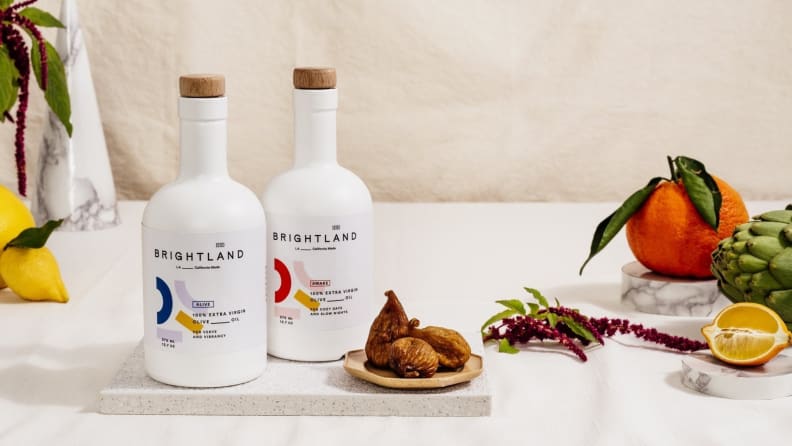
{"x": 649, "y": 292}
{"x": 293, "y": 388}
{"x": 703, "y": 373}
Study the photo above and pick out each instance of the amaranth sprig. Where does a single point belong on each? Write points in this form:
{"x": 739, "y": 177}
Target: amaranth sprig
{"x": 516, "y": 325}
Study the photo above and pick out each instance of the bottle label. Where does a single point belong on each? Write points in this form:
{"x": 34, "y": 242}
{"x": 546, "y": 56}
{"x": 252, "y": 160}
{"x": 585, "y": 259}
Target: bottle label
{"x": 204, "y": 293}
{"x": 319, "y": 271}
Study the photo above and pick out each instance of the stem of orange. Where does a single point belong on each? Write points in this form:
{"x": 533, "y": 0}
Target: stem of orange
{"x": 671, "y": 167}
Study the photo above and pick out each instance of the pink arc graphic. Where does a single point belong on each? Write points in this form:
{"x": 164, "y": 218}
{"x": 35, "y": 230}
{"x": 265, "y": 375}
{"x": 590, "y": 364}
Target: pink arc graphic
{"x": 284, "y": 290}
{"x": 304, "y": 278}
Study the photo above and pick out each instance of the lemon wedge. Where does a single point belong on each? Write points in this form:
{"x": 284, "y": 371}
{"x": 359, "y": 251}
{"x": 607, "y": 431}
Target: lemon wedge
{"x": 747, "y": 334}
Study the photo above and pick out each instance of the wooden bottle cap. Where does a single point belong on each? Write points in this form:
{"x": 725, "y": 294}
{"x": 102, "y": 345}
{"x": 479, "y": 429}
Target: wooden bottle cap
{"x": 202, "y": 85}
{"x": 311, "y": 78}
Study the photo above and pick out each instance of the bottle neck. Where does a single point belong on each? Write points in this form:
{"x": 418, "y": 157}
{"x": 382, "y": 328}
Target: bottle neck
{"x": 315, "y": 127}
{"x": 203, "y": 137}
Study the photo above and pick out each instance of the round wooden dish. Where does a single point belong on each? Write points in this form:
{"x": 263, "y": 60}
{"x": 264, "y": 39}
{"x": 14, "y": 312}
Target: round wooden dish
{"x": 355, "y": 364}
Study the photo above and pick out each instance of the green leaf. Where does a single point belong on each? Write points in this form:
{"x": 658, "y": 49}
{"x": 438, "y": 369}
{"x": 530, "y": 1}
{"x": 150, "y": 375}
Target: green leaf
{"x": 578, "y": 329}
{"x": 504, "y": 346}
{"x": 39, "y": 17}
{"x": 5, "y": 3}
{"x": 701, "y": 188}
{"x": 9, "y": 85}
{"x": 608, "y": 228}
{"x": 538, "y": 296}
{"x": 57, "y": 93}
{"x": 34, "y": 237}
{"x": 502, "y": 315}
{"x": 514, "y": 304}
{"x": 534, "y": 308}
{"x": 552, "y": 319}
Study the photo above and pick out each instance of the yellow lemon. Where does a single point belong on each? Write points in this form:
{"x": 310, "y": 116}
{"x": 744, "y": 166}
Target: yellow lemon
{"x": 747, "y": 334}
{"x": 14, "y": 217}
{"x": 33, "y": 274}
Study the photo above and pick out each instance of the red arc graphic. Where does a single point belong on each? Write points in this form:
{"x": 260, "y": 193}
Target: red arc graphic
{"x": 283, "y": 292}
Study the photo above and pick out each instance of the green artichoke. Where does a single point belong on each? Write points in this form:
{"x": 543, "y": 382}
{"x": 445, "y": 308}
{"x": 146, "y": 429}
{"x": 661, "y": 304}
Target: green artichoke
{"x": 755, "y": 263}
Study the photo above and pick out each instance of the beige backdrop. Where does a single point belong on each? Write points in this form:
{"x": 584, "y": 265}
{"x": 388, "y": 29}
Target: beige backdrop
{"x": 457, "y": 100}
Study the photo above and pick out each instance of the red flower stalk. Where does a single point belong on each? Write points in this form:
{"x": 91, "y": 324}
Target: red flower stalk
{"x": 580, "y": 319}
{"x": 522, "y": 329}
{"x": 17, "y": 49}
{"x": 11, "y": 38}
{"x": 21, "y": 5}
{"x": 39, "y": 40}
{"x": 611, "y": 326}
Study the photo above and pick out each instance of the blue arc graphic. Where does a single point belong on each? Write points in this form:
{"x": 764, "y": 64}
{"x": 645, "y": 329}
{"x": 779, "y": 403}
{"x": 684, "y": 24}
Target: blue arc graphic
{"x": 167, "y": 301}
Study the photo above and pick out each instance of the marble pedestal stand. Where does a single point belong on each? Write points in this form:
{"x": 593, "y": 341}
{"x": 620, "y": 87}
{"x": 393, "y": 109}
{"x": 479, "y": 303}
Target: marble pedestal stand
{"x": 650, "y": 292}
{"x": 703, "y": 373}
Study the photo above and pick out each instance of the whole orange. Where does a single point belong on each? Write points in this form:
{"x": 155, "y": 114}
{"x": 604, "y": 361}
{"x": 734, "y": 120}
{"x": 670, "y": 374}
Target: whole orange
{"x": 668, "y": 236}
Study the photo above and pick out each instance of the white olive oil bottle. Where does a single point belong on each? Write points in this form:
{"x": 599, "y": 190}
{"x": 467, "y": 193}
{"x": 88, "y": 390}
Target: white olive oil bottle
{"x": 319, "y": 237}
{"x": 204, "y": 256}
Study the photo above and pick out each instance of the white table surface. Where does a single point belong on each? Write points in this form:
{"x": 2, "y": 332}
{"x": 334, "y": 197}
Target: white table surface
{"x": 448, "y": 263}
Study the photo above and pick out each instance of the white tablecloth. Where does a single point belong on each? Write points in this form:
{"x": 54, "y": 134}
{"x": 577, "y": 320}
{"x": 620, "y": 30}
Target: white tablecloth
{"x": 448, "y": 262}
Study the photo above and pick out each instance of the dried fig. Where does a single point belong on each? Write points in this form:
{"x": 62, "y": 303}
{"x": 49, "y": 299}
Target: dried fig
{"x": 452, "y": 349}
{"x": 389, "y": 325}
{"x": 412, "y": 358}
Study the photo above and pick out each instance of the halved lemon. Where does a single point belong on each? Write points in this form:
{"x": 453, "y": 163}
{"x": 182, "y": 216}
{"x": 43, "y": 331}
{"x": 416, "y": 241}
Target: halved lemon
{"x": 746, "y": 334}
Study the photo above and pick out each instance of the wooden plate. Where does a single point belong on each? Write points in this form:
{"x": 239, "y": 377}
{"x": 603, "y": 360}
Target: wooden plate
{"x": 355, "y": 364}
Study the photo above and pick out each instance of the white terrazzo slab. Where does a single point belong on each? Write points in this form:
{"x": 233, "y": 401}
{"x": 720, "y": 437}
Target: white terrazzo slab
{"x": 293, "y": 388}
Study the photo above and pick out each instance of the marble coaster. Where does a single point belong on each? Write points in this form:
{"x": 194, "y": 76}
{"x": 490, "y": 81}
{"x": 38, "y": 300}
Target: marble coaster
{"x": 293, "y": 388}
{"x": 703, "y": 373}
{"x": 650, "y": 292}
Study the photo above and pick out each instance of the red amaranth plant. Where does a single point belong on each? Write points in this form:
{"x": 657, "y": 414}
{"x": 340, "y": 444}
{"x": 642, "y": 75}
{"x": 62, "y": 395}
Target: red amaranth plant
{"x": 516, "y": 325}
{"x": 15, "y": 68}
